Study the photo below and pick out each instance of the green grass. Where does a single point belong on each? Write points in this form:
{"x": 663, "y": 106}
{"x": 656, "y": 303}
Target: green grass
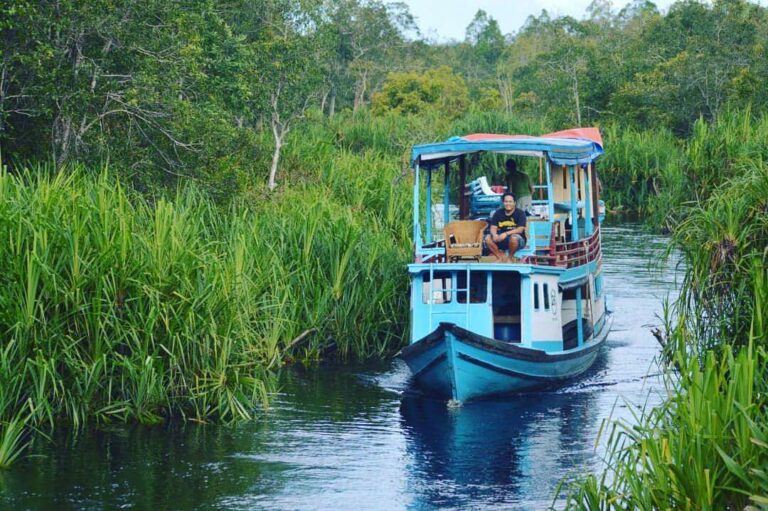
{"x": 706, "y": 446}
{"x": 118, "y": 308}
{"x": 659, "y": 176}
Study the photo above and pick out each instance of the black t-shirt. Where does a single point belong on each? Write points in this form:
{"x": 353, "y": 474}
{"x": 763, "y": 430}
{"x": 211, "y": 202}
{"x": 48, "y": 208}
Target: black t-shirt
{"x": 505, "y": 223}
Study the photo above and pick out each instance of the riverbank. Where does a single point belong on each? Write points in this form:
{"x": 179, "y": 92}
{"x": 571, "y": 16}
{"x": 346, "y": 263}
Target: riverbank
{"x": 706, "y": 446}
{"x": 119, "y": 307}
{"x": 353, "y": 435}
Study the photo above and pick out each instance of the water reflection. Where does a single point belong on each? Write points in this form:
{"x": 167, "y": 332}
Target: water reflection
{"x": 495, "y": 452}
{"x": 169, "y": 467}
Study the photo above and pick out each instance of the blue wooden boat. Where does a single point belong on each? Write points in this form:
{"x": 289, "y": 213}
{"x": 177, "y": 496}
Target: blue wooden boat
{"x": 479, "y": 327}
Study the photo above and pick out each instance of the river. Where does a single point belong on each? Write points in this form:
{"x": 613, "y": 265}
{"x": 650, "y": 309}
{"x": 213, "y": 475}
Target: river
{"x": 356, "y": 436}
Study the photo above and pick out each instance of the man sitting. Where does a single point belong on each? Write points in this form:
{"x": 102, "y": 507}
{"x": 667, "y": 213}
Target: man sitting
{"x": 507, "y": 230}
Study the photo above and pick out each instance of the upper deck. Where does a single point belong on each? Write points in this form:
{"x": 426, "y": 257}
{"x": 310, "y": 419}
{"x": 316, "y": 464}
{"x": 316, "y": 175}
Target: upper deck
{"x": 563, "y": 229}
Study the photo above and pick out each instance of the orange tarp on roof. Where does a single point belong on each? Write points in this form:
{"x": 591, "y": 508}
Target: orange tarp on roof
{"x": 592, "y": 134}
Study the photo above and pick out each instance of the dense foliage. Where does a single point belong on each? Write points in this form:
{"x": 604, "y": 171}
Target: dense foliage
{"x": 209, "y": 91}
{"x": 706, "y": 446}
{"x": 196, "y": 192}
{"x": 436, "y": 90}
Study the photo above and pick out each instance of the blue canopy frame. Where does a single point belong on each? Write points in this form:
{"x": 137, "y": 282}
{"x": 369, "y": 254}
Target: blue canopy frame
{"x": 562, "y": 151}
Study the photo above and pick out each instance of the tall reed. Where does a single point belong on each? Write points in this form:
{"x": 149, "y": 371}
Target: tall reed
{"x": 719, "y": 151}
{"x": 654, "y": 174}
{"x": 705, "y": 448}
{"x": 641, "y": 171}
{"x": 118, "y": 308}
{"x": 724, "y": 241}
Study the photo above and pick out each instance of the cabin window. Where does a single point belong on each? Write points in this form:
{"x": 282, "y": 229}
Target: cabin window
{"x": 599, "y": 285}
{"x": 440, "y": 286}
{"x": 546, "y": 296}
{"x": 536, "y": 296}
{"x": 478, "y": 287}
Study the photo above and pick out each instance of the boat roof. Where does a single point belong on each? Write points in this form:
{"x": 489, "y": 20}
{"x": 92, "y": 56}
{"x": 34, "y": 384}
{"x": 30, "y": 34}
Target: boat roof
{"x": 567, "y": 147}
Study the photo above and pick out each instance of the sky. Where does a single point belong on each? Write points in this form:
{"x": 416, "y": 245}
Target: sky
{"x": 443, "y": 20}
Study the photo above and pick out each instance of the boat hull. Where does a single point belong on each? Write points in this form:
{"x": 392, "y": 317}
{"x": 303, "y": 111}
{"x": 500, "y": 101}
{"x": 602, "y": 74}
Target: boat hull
{"x": 457, "y": 364}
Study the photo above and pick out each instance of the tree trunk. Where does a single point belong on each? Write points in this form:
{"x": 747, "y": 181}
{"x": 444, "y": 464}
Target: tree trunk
{"x": 332, "y": 104}
{"x": 64, "y": 130}
{"x": 324, "y": 100}
{"x": 275, "y": 159}
{"x": 2, "y": 99}
{"x": 507, "y": 90}
{"x": 576, "y": 98}
{"x": 278, "y": 131}
{"x": 360, "y": 91}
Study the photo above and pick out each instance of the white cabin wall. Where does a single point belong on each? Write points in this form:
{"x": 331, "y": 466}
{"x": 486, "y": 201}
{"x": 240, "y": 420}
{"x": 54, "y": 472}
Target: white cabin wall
{"x": 545, "y": 322}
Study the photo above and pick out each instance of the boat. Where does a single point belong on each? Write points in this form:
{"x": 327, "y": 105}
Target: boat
{"x": 480, "y": 327}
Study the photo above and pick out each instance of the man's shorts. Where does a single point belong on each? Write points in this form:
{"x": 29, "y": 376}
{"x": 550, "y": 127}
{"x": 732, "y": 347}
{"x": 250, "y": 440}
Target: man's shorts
{"x": 504, "y": 244}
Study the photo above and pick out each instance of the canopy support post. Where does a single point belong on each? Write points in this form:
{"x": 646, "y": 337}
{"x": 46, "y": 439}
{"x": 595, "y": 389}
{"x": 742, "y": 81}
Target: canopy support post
{"x": 416, "y": 240}
{"x": 428, "y": 208}
{"x": 463, "y": 213}
{"x": 574, "y": 209}
{"x": 541, "y": 177}
{"x": 446, "y": 196}
{"x": 550, "y": 194}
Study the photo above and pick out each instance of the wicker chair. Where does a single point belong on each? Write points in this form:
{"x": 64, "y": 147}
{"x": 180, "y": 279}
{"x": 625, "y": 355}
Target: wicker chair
{"x": 464, "y": 239}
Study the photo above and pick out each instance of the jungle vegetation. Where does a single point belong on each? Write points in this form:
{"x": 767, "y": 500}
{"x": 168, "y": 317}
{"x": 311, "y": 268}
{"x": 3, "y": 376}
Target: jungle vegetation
{"x": 195, "y": 193}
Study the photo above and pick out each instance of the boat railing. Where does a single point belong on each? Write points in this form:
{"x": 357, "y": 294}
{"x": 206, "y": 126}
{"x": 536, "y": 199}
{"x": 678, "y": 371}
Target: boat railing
{"x": 432, "y": 253}
{"x": 567, "y": 254}
{"x": 571, "y": 253}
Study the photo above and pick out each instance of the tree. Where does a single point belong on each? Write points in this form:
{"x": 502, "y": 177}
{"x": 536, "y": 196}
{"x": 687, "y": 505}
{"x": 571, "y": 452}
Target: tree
{"x": 290, "y": 74}
{"x": 484, "y": 45}
{"x": 438, "y": 90}
{"x": 561, "y": 65}
{"x": 484, "y": 34}
{"x": 361, "y": 41}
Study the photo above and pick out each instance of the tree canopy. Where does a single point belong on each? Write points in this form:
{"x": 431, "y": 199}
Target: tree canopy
{"x": 437, "y": 89}
{"x": 194, "y": 89}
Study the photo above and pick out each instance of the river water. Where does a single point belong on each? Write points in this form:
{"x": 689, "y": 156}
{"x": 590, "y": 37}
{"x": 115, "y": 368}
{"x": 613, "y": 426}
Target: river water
{"x": 357, "y": 437}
